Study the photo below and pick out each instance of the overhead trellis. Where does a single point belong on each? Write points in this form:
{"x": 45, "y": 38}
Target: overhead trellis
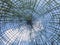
{"x": 15, "y": 8}
{"x": 32, "y": 11}
{"x": 18, "y": 7}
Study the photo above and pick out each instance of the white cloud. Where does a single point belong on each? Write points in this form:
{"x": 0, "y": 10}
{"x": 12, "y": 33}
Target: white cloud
{"x": 37, "y": 26}
{"x": 23, "y": 34}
